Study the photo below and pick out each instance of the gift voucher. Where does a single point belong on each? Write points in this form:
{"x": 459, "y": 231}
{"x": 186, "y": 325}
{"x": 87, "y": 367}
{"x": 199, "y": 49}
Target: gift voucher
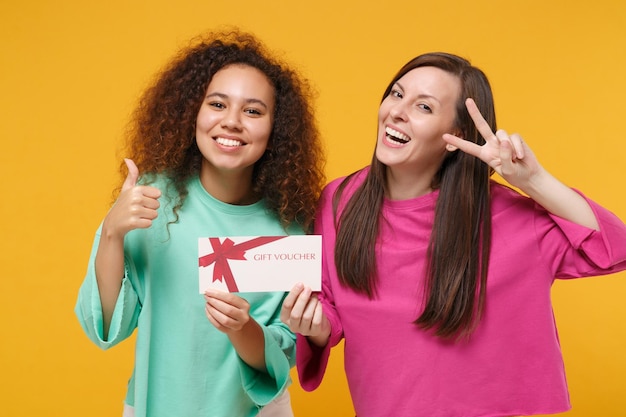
{"x": 260, "y": 264}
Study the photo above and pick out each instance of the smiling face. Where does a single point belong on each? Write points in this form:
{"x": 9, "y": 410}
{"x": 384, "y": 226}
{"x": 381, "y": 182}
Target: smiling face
{"x": 234, "y": 122}
{"x": 419, "y": 109}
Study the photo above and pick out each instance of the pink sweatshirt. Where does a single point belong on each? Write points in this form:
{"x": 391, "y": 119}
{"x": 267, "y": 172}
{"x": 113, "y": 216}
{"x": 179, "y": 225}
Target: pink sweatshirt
{"x": 511, "y": 366}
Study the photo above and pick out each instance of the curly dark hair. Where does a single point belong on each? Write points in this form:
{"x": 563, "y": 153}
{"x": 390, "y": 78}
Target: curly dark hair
{"x": 161, "y": 133}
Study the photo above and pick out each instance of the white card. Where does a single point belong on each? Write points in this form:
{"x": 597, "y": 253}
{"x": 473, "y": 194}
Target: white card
{"x": 259, "y": 263}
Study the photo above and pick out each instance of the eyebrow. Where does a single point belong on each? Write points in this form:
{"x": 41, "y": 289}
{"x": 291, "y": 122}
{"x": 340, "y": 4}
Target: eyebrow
{"x": 247, "y": 101}
{"x": 422, "y": 95}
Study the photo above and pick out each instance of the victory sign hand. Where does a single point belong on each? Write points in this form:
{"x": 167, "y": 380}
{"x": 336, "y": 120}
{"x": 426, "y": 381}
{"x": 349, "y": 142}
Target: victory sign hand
{"x": 507, "y": 154}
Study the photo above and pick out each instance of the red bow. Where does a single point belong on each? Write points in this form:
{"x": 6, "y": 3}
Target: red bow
{"x": 222, "y": 252}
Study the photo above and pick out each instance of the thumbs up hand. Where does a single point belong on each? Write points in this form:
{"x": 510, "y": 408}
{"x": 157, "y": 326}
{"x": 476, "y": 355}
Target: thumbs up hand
{"x": 135, "y": 208}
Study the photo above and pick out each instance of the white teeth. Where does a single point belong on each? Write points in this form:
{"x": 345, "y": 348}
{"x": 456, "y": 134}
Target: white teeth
{"x": 228, "y": 142}
{"x": 397, "y": 135}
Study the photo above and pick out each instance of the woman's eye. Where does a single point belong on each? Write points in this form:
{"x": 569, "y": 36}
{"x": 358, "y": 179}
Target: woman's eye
{"x": 425, "y": 107}
{"x": 253, "y": 112}
{"x": 396, "y": 93}
{"x": 217, "y": 105}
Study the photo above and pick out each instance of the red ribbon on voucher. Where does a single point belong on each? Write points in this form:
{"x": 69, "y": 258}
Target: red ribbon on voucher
{"x": 223, "y": 251}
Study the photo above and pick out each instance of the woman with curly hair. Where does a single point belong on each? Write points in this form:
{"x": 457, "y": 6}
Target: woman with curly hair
{"x": 223, "y": 143}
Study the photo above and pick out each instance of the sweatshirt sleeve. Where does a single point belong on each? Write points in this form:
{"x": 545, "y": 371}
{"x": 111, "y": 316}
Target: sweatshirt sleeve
{"x": 280, "y": 345}
{"x": 88, "y": 308}
{"x": 312, "y": 360}
{"x": 580, "y": 251}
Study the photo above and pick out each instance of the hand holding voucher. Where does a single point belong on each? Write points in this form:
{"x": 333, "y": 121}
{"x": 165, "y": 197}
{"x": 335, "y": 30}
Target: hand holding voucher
{"x": 227, "y": 312}
{"x": 302, "y": 312}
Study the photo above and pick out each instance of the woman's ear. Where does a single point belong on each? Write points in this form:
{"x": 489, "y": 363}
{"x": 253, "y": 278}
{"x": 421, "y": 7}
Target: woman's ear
{"x": 459, "y": 134}
{"x": 451, "y": 148}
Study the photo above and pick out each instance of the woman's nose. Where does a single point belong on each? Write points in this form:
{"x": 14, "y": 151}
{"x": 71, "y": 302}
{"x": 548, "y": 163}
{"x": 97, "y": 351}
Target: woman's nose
{"x": 398, "y": 112}
{"x": 232, "y": 120}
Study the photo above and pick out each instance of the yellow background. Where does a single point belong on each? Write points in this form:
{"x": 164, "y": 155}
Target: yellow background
{"x": 70, "y": 72}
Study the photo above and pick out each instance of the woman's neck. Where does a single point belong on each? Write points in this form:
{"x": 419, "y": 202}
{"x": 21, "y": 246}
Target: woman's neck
{"x": 229, "y": 187}
{"x": 404, "y": 186}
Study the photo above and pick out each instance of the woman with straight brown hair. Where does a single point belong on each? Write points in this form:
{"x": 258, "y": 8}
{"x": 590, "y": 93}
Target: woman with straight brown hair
{"x": 438, "y": 277}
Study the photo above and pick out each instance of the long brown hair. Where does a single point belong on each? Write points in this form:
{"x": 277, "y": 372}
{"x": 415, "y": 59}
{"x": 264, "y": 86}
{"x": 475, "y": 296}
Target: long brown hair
{"x": 458, "y": 251}
{"x": 161, "y": 134}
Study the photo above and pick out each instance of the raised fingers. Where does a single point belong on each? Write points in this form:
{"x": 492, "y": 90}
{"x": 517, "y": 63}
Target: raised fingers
{"x": 479, "y": 121}
{"x": 518, "y": 145}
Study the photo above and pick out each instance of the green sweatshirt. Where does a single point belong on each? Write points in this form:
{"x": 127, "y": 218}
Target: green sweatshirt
{"x": 184, "y": 367}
